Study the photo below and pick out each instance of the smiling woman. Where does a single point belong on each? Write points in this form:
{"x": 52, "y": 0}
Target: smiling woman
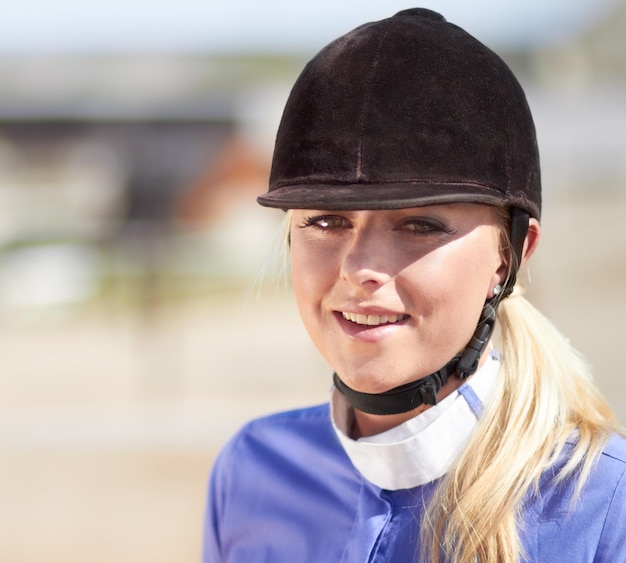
{"x": 407, "y": 160}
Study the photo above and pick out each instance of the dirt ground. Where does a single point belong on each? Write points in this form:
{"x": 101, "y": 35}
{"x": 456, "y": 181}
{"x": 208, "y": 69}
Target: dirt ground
{"x": 109, "y": 422}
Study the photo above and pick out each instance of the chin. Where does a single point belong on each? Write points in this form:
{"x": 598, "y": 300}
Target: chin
{"x": 377, "y": 377}
{"x": 372, "y": 381}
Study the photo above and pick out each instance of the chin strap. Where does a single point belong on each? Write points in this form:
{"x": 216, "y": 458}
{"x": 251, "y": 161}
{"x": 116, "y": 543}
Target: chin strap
{"x": 424, "y": 391}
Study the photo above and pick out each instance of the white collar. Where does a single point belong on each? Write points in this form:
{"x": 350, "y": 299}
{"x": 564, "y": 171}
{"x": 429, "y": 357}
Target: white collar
{"x": 423, "y": 448}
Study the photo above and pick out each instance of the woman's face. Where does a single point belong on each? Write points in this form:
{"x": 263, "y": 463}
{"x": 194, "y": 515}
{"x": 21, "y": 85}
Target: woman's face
{"x": 391, "y": 296}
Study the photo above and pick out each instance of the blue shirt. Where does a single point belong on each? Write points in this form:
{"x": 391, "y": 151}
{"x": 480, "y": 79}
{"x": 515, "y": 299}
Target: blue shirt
{"x": 284, "y": 491}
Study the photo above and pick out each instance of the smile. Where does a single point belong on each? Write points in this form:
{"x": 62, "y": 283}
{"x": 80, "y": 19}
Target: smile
{"x": 373, "y": 320}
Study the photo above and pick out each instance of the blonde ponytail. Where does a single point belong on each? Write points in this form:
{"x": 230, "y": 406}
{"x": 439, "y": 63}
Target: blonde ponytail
{"x": 545, "y": 395}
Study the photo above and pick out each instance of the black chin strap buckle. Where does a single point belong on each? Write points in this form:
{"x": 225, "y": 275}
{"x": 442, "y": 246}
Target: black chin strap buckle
{"x": 468, "y": 362}
{"x": 428, "y": 392}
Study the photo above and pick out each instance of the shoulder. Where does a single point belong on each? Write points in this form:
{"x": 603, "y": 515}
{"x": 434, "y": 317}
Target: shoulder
{"x": 278, "y": 440}
{"x": 269, "y": 486}
{"x": 560, "y": 497}
{"x": 611, "y": 470}
{"x": 285, "y": 428}
{"x": 605, "y": 475}
{"x": 273, "y": 458}
{"x": 616, "y": 449}
{"x": 610, "y": 478}
{"x": 308, "y": 415}
{"x": 608, "y": 474}
{"x": 586, "y": 526}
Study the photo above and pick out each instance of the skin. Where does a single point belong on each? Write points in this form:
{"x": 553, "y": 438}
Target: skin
{"x": 432, "y": 267}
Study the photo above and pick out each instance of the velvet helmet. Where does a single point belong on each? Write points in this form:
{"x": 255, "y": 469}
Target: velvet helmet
{"x": 407, "y": 111}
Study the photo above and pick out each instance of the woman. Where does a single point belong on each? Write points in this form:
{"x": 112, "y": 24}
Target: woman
{"x": 407, "y": 160}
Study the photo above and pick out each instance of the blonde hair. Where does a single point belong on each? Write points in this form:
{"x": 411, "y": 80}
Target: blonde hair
{"x": 544, "y": 396}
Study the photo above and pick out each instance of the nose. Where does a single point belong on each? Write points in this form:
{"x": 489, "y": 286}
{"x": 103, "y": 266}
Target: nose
{"x": 368, "y": 260}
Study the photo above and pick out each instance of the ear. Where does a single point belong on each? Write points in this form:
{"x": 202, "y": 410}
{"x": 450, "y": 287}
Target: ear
{"x": 532, "y": 240}
{"x": 530, "y": 244}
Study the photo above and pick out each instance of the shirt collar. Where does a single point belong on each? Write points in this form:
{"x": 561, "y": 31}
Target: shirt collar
{"x": 425, "y": 447}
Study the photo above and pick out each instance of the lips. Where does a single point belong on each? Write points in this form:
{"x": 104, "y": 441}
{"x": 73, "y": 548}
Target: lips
{"x": 372, "y": 320}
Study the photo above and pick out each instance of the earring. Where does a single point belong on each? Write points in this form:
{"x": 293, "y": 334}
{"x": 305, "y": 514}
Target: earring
{"x": 497, "y": 289}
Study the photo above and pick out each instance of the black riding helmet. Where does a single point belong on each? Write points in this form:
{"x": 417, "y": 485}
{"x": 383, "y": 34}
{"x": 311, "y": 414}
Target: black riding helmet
{"x": 404, "y": 112}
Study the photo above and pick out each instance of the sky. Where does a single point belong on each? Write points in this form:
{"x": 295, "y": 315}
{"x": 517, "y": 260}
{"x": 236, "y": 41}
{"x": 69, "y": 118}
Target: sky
{"x": 43, "y": 27}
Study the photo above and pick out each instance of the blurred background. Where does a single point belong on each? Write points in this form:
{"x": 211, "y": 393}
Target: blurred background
{"x": 135, "y": 334}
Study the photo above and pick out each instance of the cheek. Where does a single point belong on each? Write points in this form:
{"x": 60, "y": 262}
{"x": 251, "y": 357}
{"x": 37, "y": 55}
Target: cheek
{"x": 479, "y": 258}
{"x": 453, "y": 282}
{"x": 299, "y": 280}
{"x": 311, "y": 274}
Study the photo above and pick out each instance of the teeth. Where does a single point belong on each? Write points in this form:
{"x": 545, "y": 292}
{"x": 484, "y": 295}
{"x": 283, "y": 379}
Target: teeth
{"x": 373, "y": 320}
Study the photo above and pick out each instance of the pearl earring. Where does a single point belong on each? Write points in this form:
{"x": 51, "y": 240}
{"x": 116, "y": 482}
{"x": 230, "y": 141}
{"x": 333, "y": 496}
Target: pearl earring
{"x": 497, "y": 289}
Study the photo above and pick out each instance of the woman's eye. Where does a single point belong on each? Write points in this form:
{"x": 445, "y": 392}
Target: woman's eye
{"x": 326, "y": 222}
{"x": 425, "y": 226}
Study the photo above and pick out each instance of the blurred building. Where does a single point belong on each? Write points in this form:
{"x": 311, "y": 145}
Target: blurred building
{"x": 128, "y": 168}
